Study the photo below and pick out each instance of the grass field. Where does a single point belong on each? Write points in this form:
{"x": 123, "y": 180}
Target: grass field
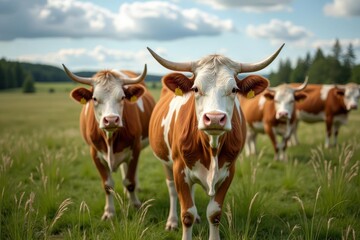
{"x": 50, "y": 188}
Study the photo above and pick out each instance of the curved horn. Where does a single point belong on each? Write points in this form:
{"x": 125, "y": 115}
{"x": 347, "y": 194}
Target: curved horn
{"x": 252, "y": 67}
{"x": 137, "y": 79}
{"x": 78, "y": 79}
{"x": 302, "y": 86}
{"x": 184, "y": 66}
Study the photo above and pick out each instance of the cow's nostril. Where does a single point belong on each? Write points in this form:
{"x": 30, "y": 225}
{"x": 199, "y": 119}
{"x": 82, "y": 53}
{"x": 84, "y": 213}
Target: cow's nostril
{"x": 223, "y": 120}
{"x": 207, "y": 120}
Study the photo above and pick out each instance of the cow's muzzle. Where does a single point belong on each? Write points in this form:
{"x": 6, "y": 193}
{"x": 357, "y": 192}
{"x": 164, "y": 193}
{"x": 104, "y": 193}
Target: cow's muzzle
{"x": 283, "y": 115}
{"x": 353, "y": 106}
{"x": 111, "y": 122}
{"x": 214, "y": 122}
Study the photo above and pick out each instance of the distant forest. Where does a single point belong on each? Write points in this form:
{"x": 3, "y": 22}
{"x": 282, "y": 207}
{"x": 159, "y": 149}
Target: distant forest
{"x": 338, "y": 67}
{"x": 15, "y": 74}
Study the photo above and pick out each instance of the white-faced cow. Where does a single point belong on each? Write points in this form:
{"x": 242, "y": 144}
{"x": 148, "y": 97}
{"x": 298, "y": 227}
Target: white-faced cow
{"x": 273, "y": 113}
{"x": 198, "y": 129}
{"x": 327, "y": 103}
{"x": 114, "y": 122}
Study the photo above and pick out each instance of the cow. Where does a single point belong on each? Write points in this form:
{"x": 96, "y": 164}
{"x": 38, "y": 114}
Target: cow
{"x": 273, "y": 113}
{"x": 327, "y": 103}
{"x": 197, "y": 130}
{"x": 114, "y": 122}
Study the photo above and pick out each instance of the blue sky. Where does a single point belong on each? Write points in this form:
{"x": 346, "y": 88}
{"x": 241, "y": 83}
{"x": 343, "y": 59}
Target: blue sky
{"x": 99, "y": 34}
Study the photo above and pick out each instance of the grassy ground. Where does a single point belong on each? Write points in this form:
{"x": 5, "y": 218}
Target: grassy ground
{"x": 50, "y": 188}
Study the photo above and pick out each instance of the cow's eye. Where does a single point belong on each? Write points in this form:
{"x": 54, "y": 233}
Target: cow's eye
{"x": 234, "y": 90}
{"x": 195, "y": 89}
{"x": 94, "y": 99}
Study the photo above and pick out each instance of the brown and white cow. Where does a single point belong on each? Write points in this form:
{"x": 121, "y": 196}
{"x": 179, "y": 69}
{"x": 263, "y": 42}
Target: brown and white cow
{"x": 197, "y": 130}
{"x": 273, "y": 113}
{"x": 327, "y": 103}
{"x": 114, "y": 122}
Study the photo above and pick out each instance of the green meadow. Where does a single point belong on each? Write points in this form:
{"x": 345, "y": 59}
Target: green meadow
{"x": 50, "y": 188}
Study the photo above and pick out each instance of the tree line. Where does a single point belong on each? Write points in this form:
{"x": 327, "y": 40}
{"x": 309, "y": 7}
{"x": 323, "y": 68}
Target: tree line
{"x": 337, "y": 68}
{"x": 12, "y": 75}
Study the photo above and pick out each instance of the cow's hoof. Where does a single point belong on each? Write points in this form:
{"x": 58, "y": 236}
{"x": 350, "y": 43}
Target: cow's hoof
{"x": 171, "y": 224}
{"x": 137, "y": 205}
{"x": 107, "y": 215}
{"x": 197, "y": 219}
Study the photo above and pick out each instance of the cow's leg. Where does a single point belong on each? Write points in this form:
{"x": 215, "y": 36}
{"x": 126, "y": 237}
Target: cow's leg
{"x": 329, "y": 123}
{"x": 131, "y": 195}
{"x": 197, "y": 219}
{"x": 188, "y": 209}
{"x": 130, "y": 177}
{"x": 282, "y": 148}
{"x": 250, "y": 144}
{"x": 108, "y": 185}
{"x": 271, "y": 133}
{"x": 172, "y": 220}
{"x": 293, "y": 141}
{"x": 214, "y": 208}
{"x": 336, "y": 128}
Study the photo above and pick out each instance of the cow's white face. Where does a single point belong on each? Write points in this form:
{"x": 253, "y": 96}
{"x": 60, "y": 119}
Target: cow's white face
{"x": 215, "y": 95}
{"x": 108, "y": 96}
{"x": 108, "y": 104}
{"x": 215, "y": 87}
{"x": 351, "y": 96}
{"x": 284, "y": 98}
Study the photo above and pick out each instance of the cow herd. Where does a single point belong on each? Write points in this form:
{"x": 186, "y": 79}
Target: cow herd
{"x": 198, "y": 127}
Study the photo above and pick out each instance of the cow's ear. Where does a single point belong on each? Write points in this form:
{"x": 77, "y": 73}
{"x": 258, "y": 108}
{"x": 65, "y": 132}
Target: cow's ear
{"x": 340, "y": 92}
{"x": 252, "y": 85}
{"x": 178, "y": 83}
{"x": 82, "y": 95}
{"x": 269, "y": 95}
{"x": 133, "y": 92}
{"x": 300, "y": 97}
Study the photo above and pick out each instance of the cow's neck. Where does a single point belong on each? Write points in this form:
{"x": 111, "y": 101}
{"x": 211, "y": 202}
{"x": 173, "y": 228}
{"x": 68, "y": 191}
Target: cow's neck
{"x": 110, "y": 158}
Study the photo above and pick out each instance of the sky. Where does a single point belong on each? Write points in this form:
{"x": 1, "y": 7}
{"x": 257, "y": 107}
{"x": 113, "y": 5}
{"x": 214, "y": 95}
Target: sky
{"x": 109, "y": 34}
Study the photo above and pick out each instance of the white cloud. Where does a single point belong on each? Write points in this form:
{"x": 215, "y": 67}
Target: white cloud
{"x": 249, "y": 5}
{"x": 166, "y": 21}
{"x": 342, "y": 8}
{"x": 138, "y": 20}
{"x": 279, "y": 31}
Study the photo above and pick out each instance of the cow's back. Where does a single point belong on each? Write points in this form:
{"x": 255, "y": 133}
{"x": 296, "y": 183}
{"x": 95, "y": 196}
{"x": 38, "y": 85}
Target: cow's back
{"x": 252, "y": 108}
{"x": 316, "y": 95}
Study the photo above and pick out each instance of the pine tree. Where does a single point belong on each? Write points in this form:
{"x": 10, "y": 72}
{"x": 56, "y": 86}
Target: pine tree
{"x": 319, "y": 55}
{"x": 337, "y": 50}
{"x": 355, "y": 74}
{"x": 300, "y": 71}
{"x": 29, "y": 85}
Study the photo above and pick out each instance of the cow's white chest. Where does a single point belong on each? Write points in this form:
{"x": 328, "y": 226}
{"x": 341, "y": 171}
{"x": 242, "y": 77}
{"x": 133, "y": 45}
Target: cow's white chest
{"x": 210, "y": 178}
{"x": 117, "y": 158}
{"x": 310, "y": 117}
{"x": 282, "y": 129}
{"x": 258, "y": 127}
